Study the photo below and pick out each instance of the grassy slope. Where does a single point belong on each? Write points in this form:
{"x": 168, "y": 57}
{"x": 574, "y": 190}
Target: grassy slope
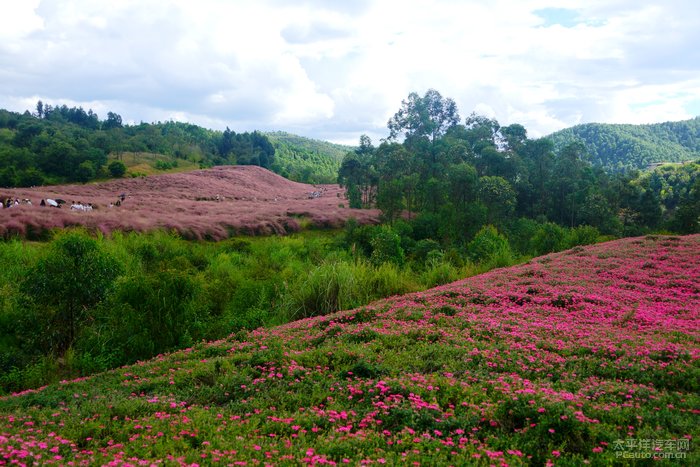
{"x": 298, "y": 157}
{"x": 144, "y": 163}
{"x": 211, "y": 204}
{"x": 553, "y": 360}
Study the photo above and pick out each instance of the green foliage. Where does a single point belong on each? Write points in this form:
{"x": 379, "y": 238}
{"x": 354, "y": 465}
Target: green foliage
{"x": 386, "y": 247}
{"x": 498, "y": 196}
{"x": 619, "y": 147}
{"x": 306, "y": 160}
{"x": 73, "y": 277}
{"x": 687, "y": 216}
{"x": 582, "y": 235}
{"x": 62, "y": 144}
{"x": 329, "y": 287}
{"x": 163, "y": 165}
{"x": 450, "y": 179}
{"x": 491, "y": 247}
{"x": 390, "y": 200}
{"x": 428, "y": 116}
{"x": 150, "y": 315}
{"x": 548, "y": 238}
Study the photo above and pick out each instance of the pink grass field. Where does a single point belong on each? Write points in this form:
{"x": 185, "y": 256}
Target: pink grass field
{"x": 251, "y": 200}
{"x": 575, "y": 358}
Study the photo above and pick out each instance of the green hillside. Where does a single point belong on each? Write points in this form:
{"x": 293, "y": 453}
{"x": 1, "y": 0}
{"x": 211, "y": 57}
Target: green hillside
{"x": 619, "y": 147}
{"x": 306, "y": 160}
{"x": 558, "y": 361}
{"x": 58, "y": 144}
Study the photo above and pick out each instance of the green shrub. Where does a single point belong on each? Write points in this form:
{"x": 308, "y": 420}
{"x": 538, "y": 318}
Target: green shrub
{"x": 73, "y": 277}
{"x": 582, "y": 235}
{"x": 521, "y": 233}
{"x": 424, "y": 248}
{"x": 548, "y": 238}
{"x": 329, "y": 287}
{"x": 386, "y": 280}
{"x": 490, "y": 247}
{"x": 386, "y": 247}
{"x": 439, "y": 273}
{"x": 117, "y": 169}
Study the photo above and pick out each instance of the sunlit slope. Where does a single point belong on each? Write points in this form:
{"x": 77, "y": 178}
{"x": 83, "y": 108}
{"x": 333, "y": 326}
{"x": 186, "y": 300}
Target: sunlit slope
{"x": 561, "y": 359}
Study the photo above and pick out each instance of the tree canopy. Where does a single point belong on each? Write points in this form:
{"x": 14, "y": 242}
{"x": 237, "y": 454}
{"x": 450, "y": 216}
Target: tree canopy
{"x": 462, "y": 176}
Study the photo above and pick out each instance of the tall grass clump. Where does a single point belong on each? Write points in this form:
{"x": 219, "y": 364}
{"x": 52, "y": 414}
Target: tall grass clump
{"x": 331, "y": 286}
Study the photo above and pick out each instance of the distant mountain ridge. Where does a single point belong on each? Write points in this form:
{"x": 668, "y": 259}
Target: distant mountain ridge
{"x": 623, "y": 146}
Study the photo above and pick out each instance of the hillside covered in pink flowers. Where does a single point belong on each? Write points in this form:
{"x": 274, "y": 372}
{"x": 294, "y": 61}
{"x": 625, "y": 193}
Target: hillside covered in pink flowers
{"x": 213, "y": 203}
{"x": 588, "y": 356}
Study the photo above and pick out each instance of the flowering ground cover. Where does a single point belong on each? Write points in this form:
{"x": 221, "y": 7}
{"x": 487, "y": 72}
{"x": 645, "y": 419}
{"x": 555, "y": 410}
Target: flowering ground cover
{"x": 213, "y": 204}
{"x": 583, "y": 356}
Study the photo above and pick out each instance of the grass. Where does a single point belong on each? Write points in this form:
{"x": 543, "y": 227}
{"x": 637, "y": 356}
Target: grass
{"x": 171, "y": 292}
{"x": 146, "y": 163}
{"x": 464, "y": 374}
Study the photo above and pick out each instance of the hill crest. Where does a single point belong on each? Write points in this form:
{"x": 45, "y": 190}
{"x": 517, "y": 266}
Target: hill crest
{"x": 621, "y": 146}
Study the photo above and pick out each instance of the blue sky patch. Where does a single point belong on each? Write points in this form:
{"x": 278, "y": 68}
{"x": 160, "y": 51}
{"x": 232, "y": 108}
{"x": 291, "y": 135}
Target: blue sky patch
{"x": 562, "y": 16}
{"x": 693, "y": 107}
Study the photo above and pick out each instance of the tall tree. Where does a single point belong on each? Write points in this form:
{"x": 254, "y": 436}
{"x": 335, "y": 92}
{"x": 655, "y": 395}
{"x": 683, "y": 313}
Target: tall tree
{"x": 429, "y": 116}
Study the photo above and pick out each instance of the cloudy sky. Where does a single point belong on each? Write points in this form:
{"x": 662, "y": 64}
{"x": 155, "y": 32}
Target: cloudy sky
{"x": 335, "y": 69}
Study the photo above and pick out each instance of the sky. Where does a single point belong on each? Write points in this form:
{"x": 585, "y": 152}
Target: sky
{"x": 337, "y": 69}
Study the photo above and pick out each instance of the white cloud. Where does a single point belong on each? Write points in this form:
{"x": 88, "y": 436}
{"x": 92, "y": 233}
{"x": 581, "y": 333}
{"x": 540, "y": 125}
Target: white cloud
{"x": 338, "y": 69}
{"x": 18, "y": 19}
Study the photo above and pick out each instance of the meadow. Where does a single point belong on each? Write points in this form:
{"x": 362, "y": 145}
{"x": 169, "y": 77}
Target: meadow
{"x": 578, "y": 357}
{"x": 212, "y": 204}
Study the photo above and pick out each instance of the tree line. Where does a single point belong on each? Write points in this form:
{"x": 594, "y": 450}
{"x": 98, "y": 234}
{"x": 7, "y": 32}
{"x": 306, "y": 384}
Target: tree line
{"x": 450, "y": 177}
{"x": 58, "y": 144}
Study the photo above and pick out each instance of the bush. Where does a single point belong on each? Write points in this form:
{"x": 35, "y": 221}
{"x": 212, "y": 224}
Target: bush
{"x": 520, "y": 233}
{"x": 150, "y": 314}
{"x": 582, "y": 235}
{"x": 424, "y": 248}
{"x": 439, "y": 273}
{"x": 386, "y": 247}
{"x": 548, "y": 238}
{"x": 117, "y": 169}
{"x": 86, "y": 171}
{"x": 68, "y": 282}
{"x": 386, "y": 280}
{"x": 490, "y": 247}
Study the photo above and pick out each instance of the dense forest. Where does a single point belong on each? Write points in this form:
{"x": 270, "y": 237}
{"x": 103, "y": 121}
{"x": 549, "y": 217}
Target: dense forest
{"x": 306, "y": 160}
{"x": 624, "y": 147}
{"x": 450, "y": 179}
{"x": 61, "y": 144}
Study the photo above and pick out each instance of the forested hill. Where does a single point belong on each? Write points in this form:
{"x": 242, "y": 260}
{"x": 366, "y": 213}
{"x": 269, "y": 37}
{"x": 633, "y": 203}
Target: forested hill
{"x": 306, "y": 160}
{"x": 60, "y": 144}
{"x": 619, "y": 147}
